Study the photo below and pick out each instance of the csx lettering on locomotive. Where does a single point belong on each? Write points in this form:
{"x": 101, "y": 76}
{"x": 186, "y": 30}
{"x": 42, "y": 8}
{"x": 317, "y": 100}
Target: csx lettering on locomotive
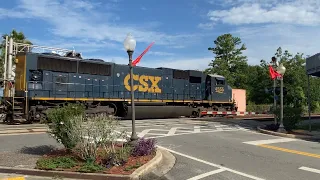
{"x": 143, "y": 83}
{"x": 219, "y": 89}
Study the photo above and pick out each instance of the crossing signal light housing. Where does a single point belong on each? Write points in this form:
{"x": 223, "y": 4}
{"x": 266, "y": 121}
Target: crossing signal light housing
{"x": 278, "y": 91}
{"x": 1, "y": 83}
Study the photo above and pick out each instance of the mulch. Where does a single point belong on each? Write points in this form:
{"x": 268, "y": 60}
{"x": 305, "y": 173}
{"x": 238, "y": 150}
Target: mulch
{"x": 132, "y": 161}
{"x": 128, "y": 168}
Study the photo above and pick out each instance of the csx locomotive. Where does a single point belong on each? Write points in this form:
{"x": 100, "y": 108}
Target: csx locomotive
{"x": 43, "y": 81}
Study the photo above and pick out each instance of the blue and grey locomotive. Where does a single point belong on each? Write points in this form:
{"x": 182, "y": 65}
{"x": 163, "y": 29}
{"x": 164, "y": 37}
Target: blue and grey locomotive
{"x": 43, "y": 81}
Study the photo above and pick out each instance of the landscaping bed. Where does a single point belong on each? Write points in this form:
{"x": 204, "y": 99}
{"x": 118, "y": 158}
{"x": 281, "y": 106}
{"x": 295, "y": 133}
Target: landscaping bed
{"x": 92, "y": 144}
{"x": 123, "y": 161}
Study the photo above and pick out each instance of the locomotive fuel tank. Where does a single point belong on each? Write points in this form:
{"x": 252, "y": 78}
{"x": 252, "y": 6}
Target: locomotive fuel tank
{"x": 158, "y": 112}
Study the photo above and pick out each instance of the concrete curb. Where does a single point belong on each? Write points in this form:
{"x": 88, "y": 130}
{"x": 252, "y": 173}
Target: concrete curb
{"x": 160, "y": 171}
{"x": 143, "y": 170}
{"x": 311, "y": 138}
{"x": 148, "y": 167}
{"x": 64, "y": 174}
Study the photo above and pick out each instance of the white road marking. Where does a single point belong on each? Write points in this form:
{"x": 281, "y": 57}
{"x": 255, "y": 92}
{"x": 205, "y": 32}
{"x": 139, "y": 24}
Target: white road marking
{"x": 207, "y": 174}
{"x": 184, "y": 131}
{"x": 197, "y": 133}
{"x": 219, "y": 126}
{"x": 143, "y": 133}
{"x": 129, "y": 126}
{"x": 310, "y": 169}
{"x": 274, "y": 136}
{"x": 216, "y": 127}
{"x": 228, "y": 128}
{"x": 242, "y": 128}
{"x": 172, "y": 131}
{"x": 165, "y": 130}
{"x": 212, "y": 164}
{"x": 153, "y": 137}
{"x": 270, "y": 141}
{"x": 165, "y": 135}
{"x": 203, "y": 130}
{"x": 156, "y": 134}
{"x": 196, "y": 128}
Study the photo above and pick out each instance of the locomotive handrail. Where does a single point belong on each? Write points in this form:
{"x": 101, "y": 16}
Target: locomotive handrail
{"x": 22, "y": 47}
{"x": 111, "y": 92}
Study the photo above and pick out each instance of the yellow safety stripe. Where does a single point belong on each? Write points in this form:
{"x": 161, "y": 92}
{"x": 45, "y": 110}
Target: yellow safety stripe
{"x": 117, "y": 99}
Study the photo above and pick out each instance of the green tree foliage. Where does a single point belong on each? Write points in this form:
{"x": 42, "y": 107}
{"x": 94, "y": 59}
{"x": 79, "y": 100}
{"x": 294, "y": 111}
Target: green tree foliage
{"x": 295, "y": 78}
{"x": 258, "y": 81}
{"x": 231, "y": 63}
{"x": 229, "y": 60}
{"x": 18, "y": 37}
{"x": 314, "y": 94}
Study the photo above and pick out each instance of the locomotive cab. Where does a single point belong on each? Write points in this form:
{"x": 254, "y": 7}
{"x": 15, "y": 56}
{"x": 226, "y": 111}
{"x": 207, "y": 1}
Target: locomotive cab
{"x": 219, "y": 91}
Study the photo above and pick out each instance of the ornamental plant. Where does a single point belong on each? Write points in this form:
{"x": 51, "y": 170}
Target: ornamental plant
{"x": 62, "y": 124}
{"x": 144, "y": 147}
{"x": 96, "y": 132}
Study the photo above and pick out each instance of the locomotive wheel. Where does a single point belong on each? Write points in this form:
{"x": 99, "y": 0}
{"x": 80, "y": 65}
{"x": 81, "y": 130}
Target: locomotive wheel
{"x": 114, "y": 106}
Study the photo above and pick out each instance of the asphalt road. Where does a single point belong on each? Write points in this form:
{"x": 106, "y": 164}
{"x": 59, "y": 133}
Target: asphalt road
{"x": 203, "y": 150}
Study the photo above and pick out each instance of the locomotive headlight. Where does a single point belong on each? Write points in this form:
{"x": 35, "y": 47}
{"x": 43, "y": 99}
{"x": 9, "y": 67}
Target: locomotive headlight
{"x": 36, "y": 76}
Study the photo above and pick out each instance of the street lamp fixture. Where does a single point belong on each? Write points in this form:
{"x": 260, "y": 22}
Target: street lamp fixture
{"x": 130, "y": 44}
{"x": 281, "y": 70}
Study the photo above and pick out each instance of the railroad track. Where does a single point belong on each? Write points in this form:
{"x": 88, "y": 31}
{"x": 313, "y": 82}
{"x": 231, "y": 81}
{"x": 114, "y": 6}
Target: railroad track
{"x": 213, "y": 114}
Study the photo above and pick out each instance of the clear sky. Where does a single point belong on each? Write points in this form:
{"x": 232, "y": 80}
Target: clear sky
{"x": 182, "y": 29}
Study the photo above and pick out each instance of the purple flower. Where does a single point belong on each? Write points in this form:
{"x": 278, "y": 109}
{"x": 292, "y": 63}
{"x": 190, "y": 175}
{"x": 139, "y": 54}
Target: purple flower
{"x": 144, "y": 147}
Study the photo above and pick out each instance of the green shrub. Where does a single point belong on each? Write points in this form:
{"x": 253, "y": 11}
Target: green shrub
{"x": 252, "y": 107}
{"x": 90, "y": 167}
{"x": 85, "y": 135}
{"x": 117, "y": 158}
{"x": 56, "y": 162}
{"x": 315, "y": 107}
{"x": 291, "y": 116}
{"x": 63, "y": 123}
{"x": 97, "y": 132}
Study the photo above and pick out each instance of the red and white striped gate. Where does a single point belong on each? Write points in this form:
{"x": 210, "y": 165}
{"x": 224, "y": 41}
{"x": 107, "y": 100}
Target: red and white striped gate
{"x": 204, "y": 113}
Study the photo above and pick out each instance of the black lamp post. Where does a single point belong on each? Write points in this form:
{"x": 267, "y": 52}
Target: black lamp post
{"x": 281, "y": 70}
{"x": 274, "y": 63}
{"x": 130, "y": 45}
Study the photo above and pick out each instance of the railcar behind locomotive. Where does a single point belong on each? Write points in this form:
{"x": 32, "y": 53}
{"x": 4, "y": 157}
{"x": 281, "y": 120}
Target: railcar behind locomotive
{"x": 43, "y": 81}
